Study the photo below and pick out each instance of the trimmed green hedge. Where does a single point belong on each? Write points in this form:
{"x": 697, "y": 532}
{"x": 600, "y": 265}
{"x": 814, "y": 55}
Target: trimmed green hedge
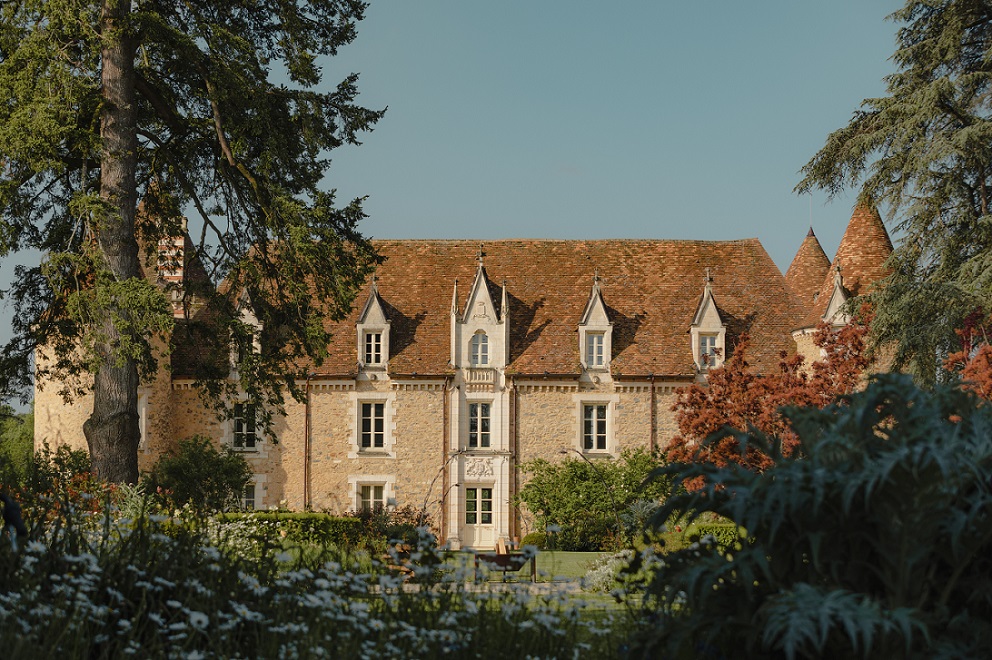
{"x": 315, "y": 528}
{"x": 728, "y": 536}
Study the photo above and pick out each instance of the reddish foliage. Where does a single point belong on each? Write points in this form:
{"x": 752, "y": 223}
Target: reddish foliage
{"x": 974, "y": 361}
{"x": 737, "y": 397}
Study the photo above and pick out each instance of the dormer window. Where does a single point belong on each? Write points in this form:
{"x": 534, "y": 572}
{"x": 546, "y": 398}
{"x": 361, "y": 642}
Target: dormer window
{"x": 595, "y": 341}
{"x": 373, "y": 348}
{"x": 595, "y": 332}
{"x": 373, "y": 332}
{"x": 480, "y": 350}
{"x": 707, "y": 349}
{"x": 708, "y": 331}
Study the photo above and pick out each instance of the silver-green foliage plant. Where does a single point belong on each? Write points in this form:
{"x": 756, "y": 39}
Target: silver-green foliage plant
{"x": 877, "y": 542}
{"x": 149, "y": 588}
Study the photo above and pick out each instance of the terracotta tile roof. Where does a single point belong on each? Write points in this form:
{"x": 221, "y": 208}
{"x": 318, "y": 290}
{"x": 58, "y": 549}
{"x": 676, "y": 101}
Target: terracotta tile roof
{"x": 807, "y": 270}
{"x": 861, "y": 256}
{"x": 651, "y": 289}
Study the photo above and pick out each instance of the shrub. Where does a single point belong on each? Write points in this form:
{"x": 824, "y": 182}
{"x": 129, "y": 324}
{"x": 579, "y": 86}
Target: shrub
{"x": 198, "y": 475}
{"x": 307, "y": 528}
{"x": 876, "y": 544}
{"x": 594, "y": 506}
{"x": 536, "y": 539}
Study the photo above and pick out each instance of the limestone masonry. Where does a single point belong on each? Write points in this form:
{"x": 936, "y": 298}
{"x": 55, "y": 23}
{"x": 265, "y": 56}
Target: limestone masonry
{"x": 459, "y": 362}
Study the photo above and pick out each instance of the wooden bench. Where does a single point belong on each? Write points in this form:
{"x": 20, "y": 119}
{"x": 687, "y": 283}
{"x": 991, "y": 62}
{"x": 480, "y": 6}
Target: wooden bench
{"x": 505, "y": 560}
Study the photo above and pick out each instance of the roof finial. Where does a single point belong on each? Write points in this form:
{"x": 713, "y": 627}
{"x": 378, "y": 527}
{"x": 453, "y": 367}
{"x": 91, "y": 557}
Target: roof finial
{"x": 595, "y": 276}
{"x": 709, "y": 278}
{"x": 480, "y": 254}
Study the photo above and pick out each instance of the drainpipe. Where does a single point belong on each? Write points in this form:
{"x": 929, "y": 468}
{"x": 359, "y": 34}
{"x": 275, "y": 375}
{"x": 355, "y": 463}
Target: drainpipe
{"x": 443, "y": 536}
{"x": 514, "y": 460}
{"x": 306, "y": 446}
{"x": 654, "y": 419}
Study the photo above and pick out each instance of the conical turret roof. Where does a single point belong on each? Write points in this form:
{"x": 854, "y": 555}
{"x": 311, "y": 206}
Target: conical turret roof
{"x": 861, "y": 258}
{"x": 807, "y": 270}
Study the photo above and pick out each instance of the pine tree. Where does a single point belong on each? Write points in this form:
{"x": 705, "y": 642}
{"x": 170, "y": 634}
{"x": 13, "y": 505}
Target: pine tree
{"x": 103, "y": 103}
{"x": 924, "y": 151}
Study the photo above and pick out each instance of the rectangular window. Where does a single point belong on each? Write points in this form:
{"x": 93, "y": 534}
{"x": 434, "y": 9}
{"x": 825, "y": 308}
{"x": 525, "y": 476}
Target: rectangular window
{"x": 478, "y": 425}
{"x": 373, "y": 348}
{"x": 594, "y": 427}
{"x": 244, "y": 426}
{"x": 248, "y": 499}
{"x": 707, "y": 349}
{"x": 478, "y": 506}
{"x": 371, "y": 497}
{"x": 594, "y": 349}
{"x": 480, "y": 350}
{"x": 373, "y": 426}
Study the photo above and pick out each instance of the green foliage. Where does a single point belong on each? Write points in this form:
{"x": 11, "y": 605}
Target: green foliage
{"x": 923, "y": 151}
{"x": 593, "y": 506}
{"x": 875, "y": 544}
{"x": 536, "y": 539}
{"x": 183, "y": 106}
{"x": 308, "y": 528}
{"x": 198, "y": 475}
{"x": 16, "y": 446}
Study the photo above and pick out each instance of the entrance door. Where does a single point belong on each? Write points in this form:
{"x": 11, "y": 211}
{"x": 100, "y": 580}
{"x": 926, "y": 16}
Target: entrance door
{"x": 480, "y": 527}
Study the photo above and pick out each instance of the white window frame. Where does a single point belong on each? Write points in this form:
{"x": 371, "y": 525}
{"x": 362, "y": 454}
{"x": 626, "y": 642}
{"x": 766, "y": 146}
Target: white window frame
{"x": 610, "y": 401}
{"x": 372, "y": 426}
{"x": 388, "y": 402}
{"x": 595, "y": 350}
{"x": 239, "y": 439}
{"x": 357, "y": 481}
{"x": 476, "y": 510}
{"x": 479, "y": 349}
{"x": 482, "y": 437}
{"x": 708, "y": 350}
{"x": 250, "y": 503}
{"x": 373, "y": 354}
{"x": 595, "y": 427}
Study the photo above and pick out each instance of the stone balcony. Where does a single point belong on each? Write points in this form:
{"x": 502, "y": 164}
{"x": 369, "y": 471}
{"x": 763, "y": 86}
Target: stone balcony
{"x": 480, "y": 377}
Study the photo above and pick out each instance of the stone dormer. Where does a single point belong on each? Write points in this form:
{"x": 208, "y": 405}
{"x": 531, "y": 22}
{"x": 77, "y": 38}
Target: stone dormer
{"x": 834, "y": 314}
{"x": 372, "y": 332}
{"x": 708, "y": 331}
{"x": 480, "y": 331}
{"x": 807, "y": 271}
{"x": 595, "y": 333}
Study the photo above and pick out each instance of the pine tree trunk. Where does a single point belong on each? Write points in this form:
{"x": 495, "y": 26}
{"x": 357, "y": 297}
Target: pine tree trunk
{"x": 112, "y": 431}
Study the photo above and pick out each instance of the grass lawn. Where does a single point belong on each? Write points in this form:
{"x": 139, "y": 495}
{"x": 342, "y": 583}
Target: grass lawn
{"x": 552, "y": 565}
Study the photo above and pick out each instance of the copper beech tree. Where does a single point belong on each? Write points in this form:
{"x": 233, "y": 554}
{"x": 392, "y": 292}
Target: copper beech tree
{"x": 974, "y": 361}
{"x": 737, "y": 397}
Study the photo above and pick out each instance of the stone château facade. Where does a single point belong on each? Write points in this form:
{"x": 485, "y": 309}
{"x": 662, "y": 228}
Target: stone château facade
{"x": 460, "y": 362}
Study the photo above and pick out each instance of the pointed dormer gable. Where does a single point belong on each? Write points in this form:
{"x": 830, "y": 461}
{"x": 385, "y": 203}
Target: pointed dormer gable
{"x": 595, "y": 332}
{"x": 862, "y": 254}
{"x": 480, "y": 333}
{"x": 708, "y": 331}
{"x": 372, "y": 331}
{"x": 480, "y": 303}
{"x": 807, "y": 270}
{"x": 834, "y": 314}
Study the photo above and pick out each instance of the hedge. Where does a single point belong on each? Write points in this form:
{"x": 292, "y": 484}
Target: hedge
{"x": 315, "y": 528}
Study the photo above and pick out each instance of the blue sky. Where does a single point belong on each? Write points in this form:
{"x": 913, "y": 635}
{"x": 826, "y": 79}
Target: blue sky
{"x": 544, "y": 119}
{"x": 633, "y": 119}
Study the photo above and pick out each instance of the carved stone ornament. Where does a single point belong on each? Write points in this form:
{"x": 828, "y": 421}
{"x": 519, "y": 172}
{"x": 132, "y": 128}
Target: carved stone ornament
{"x": 479, "y": 467}
{"x": 480, "y": 311}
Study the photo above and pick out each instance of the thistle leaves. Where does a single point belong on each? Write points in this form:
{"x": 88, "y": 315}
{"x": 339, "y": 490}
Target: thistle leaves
{"x": 875, "y": 543}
